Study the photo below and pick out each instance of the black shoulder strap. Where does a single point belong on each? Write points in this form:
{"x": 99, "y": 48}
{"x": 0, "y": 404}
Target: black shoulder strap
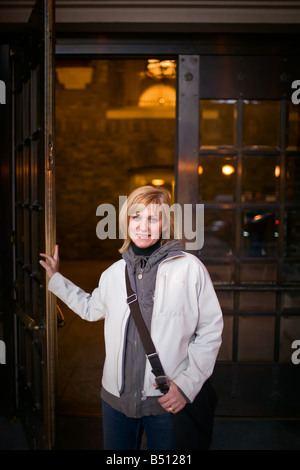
{"x": 146, "y": 339}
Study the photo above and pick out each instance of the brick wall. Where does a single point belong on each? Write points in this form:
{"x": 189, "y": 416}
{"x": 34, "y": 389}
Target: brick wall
{"x": 95, "y": 156}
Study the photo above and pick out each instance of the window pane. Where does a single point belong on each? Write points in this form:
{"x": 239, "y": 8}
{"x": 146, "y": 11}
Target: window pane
{"x": 250, "y": 272}
{"x": 218, "y": 233}
{"x": 293, "y": 127}
{"x": 217, "y": 124}
{"x": 292, "y": 233}
{"x": 261, "y": 124}
{"x": 255, "y": 301}
{"x": 290, "y": 300}
{"x": 256, "y": 338}
{"x": 291, "y": 273}
{"x": 293, "y": 178}
{"x": 260, "y": 178}
{"x": 259, "y": 233}
{"x": 217, "y": 178}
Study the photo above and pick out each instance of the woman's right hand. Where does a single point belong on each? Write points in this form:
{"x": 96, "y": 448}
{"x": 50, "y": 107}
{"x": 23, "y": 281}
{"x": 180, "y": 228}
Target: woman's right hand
{"x": 52, "y": 266}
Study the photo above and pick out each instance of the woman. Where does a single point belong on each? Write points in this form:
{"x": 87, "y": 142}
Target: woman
{"x": 180, "y": 308}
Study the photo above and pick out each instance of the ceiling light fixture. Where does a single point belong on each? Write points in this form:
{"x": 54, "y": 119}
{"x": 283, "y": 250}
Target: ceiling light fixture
{"x": 160, "y": 69}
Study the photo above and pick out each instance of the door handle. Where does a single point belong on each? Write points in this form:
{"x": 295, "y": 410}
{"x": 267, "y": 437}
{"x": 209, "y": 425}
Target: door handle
{"x": 26, "y": 320}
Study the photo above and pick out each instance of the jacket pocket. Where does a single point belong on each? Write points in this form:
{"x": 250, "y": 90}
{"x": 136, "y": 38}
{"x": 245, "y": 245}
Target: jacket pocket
{"x": 172, "y": 300}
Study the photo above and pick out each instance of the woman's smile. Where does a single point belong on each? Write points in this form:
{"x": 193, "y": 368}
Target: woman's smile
{"x": 145, "y": 227}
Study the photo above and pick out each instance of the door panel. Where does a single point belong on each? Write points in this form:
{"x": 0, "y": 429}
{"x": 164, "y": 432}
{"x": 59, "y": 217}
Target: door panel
{"x": 245, "y": 127}
{"x": 35, "y": 332}
{"x": 243, "y": 182}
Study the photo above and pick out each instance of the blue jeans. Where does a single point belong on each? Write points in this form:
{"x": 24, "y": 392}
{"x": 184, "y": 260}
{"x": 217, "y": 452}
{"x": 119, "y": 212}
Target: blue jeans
{"x": 123, "y": 433}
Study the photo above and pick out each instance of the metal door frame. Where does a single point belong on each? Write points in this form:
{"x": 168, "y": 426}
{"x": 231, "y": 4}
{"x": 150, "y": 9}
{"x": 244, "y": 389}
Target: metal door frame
{"x": 33, "y": 194}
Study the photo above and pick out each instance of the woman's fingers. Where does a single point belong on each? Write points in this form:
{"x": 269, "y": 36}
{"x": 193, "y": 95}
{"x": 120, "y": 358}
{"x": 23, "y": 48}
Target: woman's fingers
{"x": 46, "y": 256}
{"x": 55, "y": 256}
{"x": 173, "y": 401}
{"x": 53, "y": 262}
{"x": 44, "y": 264}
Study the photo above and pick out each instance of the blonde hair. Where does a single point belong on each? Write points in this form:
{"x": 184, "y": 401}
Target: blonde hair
{"x": 144, "y": 196}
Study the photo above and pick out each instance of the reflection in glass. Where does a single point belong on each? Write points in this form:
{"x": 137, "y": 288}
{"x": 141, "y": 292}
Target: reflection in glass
{"x": 259, "y": 233}
{"x": 156, "y": 176}
{"x": 217, "y": 123}
{"x": 293, "y": 127}
{"x": 261, "y": 124}
{"x": 292, "y": 233}
{"x": 260, "y": 178}
{"x": 217, "y": 178}
{"x": 218, "y": 233}
{"x": 256, "y": 338}
{"x": 293, "y": 178}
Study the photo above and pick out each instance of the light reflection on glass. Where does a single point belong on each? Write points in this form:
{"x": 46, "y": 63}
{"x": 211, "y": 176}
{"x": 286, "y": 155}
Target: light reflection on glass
{"x": 217, "y": 178}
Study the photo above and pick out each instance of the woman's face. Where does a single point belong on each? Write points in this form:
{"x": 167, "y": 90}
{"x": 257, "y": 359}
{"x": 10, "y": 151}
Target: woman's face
{"x": 145, "y": 227}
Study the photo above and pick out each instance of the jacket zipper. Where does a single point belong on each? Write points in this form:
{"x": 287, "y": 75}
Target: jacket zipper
{"x": 123, "y": 357}
{"x": 144, "y": 396}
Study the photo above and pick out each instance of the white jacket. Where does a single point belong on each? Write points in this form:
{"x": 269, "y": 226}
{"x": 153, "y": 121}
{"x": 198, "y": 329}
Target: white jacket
{"x": 186, "y": 323}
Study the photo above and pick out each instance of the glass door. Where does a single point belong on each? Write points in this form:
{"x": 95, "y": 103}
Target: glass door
{"x": 248, "y": 181}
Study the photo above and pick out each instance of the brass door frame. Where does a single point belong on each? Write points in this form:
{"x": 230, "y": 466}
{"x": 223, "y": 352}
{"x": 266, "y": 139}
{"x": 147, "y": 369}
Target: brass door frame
{"x": 34, "y": 224}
